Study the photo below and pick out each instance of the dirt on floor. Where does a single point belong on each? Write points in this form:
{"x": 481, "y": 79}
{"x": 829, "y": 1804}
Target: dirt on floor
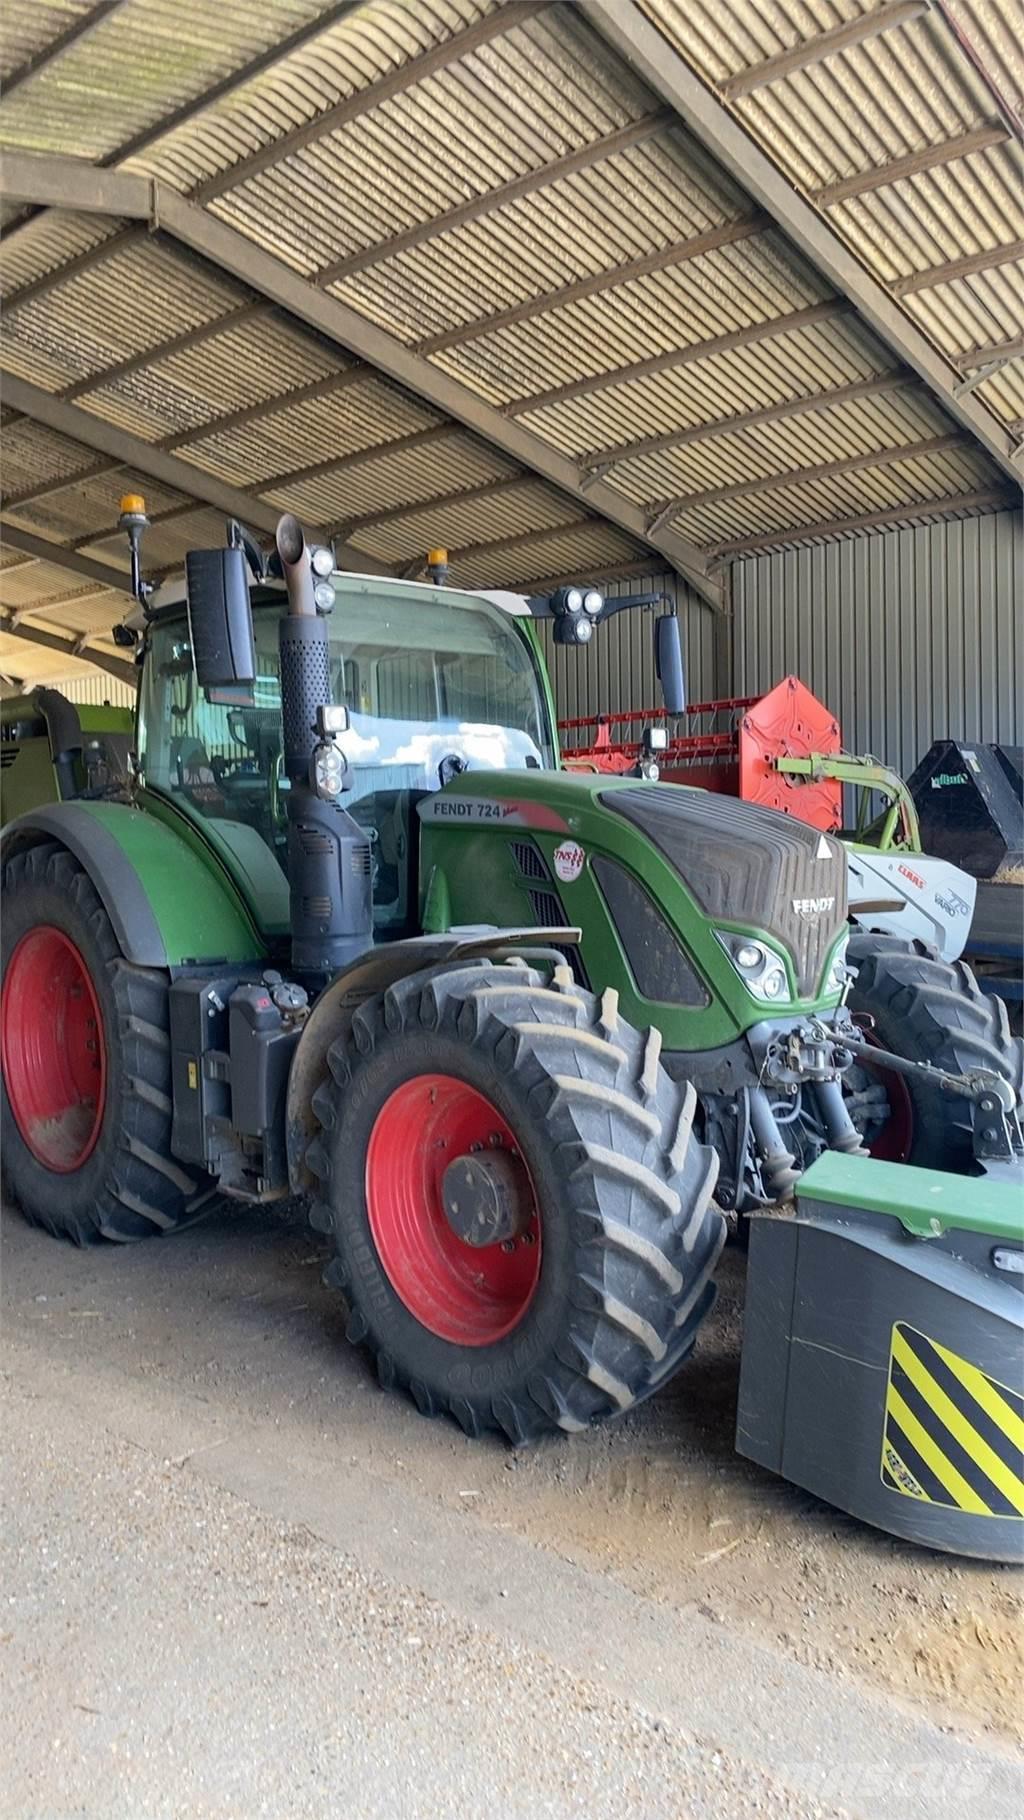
{"x": 663, "y": 1501}
{"x": 234, "y": 1311}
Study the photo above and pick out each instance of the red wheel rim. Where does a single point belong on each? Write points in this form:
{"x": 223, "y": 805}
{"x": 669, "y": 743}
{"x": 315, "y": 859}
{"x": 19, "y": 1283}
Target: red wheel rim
{"x": 54, "y": 1050}
{"x": 894, "y": 1142}
{"x": 471, "y": 1295}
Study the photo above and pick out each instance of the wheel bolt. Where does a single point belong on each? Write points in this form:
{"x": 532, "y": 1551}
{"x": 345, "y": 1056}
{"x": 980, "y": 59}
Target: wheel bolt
{"x": 508, "y": 1245}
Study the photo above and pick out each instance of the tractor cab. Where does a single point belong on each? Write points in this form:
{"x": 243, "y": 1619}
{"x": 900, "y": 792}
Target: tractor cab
{"x": 435, "y": 681}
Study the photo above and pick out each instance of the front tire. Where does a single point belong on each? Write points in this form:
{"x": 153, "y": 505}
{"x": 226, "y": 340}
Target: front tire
{"x": 86, "y": 1101}
{"x": 927, "y": 1010}
{"x": 599, "y": 1298}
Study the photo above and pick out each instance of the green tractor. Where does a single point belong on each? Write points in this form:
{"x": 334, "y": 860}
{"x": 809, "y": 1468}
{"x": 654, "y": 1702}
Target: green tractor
{"x": 520, "y": 1036}
{"x": 52, "y": 750}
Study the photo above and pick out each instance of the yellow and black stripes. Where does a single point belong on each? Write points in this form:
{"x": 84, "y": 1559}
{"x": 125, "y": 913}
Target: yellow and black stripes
{"x": 953, "y": 1436}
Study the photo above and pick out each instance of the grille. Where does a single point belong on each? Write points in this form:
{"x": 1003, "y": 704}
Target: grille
{"x": 362, "y": 864}
{"x": 320, "y": 907}
{"x": 661, "y": 968}
{"x": 748, "y": 865}
{"x": 547, "y": 911}
{"x": 528, "y": 859}
{"x": 314, "y": 843}
{"x": 7, "y": 756}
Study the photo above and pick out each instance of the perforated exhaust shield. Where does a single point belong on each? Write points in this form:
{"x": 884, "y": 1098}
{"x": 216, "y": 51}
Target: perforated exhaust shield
{"x": 746, "y": 865}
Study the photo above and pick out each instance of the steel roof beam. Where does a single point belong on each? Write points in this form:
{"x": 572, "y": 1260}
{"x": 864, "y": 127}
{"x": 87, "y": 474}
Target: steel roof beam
{"x": 169, "y": 470}
{"x": 487, "y": 489}
{"x": 996, "y": 350}
{"x": 959, "y": 268}
{"x": 496, "y": 546}
{"x": 166, "y": 350}
{"x": 44, "y": 489}
{"x": 825, "y": 44}
{"x": 926, "y": 158}
{"x": 676, "y": 253}
{"x": 41, "y": 549}
{"x": 618, "y": 453}
{"x": 275, "y": 53}
{"x": 823, "y": 470}
{"x": 74, "y": 599}
{"x": 914, "y": 511}
{"x": 678, "y": 357}
{"x": 624, "y": 27}
{"x": 359, "y": 458}
{"x": 581, "y": 160}
{"x": 234, "y": 253}
{"x": 48, "y": 53}
{"x": 71, "y": 647}
{"x": 409, "y": 75}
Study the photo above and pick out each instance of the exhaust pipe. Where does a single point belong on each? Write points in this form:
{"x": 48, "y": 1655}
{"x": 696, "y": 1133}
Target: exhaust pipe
{"x": 329, "y": 862}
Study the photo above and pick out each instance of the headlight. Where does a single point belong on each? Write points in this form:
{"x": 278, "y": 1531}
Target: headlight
{"x": 762, "y": 971}
{"x": 838, "y": 972}
{"x": 321, "y": 561}
{"x": 592, "y": 601}
{"x": 329, "y": 768}
{"x": 323, "y": 596}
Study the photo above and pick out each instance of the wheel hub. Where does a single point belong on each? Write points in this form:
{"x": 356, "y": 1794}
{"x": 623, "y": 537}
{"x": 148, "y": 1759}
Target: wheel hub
{"x": 54, "y": 1049}
{"x": 487, "y": 1198}
{"x": 452, "y": 1211}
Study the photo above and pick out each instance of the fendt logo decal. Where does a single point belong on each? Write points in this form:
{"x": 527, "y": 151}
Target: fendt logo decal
{"x": 810, "y": 907}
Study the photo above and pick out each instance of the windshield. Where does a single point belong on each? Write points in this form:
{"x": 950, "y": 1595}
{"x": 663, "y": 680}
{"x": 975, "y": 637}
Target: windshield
{"x": 425, "y": 677}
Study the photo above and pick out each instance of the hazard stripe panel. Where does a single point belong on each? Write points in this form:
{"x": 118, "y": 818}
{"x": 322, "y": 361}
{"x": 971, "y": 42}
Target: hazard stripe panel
{"x": 953, "y": 1436}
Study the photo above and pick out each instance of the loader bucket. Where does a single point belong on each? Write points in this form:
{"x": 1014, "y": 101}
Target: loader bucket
{"x": 882, "y": 1354}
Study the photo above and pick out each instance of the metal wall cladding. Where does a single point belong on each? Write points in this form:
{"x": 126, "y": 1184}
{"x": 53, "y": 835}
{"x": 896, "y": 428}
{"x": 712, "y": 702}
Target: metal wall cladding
{"x": 96, "y": 690}
{"x": 616, "y": 670}
{"x": 909, "y": 637}
{"x": 895, "y": 95}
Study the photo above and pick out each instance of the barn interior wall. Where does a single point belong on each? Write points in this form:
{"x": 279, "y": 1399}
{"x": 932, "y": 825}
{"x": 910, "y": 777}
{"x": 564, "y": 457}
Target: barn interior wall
{"x": 909, "y": 636}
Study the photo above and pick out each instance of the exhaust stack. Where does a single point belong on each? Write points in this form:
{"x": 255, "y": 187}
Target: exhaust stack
{"x": 329, "y": 864}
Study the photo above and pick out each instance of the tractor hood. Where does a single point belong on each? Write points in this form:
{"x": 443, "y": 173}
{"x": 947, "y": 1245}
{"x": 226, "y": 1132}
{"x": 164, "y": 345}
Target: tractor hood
{"x": 659, "y": 878}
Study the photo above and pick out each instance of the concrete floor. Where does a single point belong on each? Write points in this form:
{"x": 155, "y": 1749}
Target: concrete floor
{"x": 239, "y": 1580}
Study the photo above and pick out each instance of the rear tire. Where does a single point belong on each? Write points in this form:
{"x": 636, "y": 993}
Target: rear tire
{"x": 628, "y": 1235}
{"x": 930, "y": 1010}
{"x": 126, "y": 1185}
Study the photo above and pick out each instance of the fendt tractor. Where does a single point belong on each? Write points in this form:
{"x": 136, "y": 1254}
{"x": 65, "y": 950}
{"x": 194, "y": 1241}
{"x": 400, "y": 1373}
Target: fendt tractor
{"x": 522, "y": 1037}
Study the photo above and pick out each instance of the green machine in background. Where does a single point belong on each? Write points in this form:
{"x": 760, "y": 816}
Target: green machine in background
{"x": 348, "y": 930}
{"x": 53, "y": 749}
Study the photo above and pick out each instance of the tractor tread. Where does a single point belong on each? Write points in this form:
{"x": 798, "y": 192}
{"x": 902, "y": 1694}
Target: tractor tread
{"x": 930, "y": 1010}
{"x": 641, "y": 1232}
{"x": 131, "y": 1187}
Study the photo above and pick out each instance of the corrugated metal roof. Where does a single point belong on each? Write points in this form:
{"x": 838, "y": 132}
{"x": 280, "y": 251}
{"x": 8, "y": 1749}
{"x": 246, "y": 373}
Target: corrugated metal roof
{"x": 906, "y": 94}
{"x": 492, "y": 186}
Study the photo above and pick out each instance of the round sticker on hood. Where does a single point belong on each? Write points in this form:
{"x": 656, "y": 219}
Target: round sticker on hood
{"x": 569, "y": 858}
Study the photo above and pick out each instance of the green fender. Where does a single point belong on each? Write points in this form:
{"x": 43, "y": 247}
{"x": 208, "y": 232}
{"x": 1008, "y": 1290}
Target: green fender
{"x": 170, "y": 902}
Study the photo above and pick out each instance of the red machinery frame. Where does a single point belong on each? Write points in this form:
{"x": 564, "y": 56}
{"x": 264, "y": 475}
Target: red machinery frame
{"x": 788, "y": 722}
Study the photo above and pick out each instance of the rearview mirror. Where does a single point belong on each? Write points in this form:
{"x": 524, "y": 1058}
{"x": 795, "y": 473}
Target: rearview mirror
{"x": 220, "y": 618}
{"x": 668, "y": 662}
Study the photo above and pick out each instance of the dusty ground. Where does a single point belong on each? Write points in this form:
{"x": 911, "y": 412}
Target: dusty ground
{"x": 676, "y": 1587}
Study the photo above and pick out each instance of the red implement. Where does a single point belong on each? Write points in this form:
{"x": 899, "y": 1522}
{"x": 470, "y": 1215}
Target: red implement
{"x": 734, "y": 758}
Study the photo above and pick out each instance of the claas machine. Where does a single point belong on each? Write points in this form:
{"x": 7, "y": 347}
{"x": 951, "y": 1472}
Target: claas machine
{"x": 520, "y": 1037}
